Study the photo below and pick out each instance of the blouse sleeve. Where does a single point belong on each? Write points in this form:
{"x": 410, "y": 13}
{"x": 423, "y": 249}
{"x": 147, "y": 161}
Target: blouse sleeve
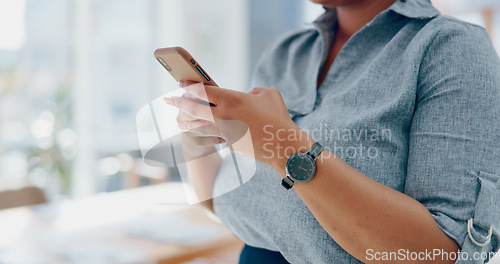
{"x": 454, "y": 143}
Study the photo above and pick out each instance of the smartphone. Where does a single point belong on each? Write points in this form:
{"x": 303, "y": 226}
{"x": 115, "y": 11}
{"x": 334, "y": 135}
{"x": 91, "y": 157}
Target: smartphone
{"x": 182, "y": 66}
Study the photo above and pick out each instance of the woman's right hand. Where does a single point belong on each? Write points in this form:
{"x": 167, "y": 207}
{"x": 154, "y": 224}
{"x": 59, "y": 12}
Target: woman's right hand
{"x": 196, "y": 145}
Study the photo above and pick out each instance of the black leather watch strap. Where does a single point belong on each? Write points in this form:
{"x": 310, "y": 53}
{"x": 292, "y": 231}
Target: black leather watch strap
{"x": 287, "y": 183}
{"x": 315, "y": 150}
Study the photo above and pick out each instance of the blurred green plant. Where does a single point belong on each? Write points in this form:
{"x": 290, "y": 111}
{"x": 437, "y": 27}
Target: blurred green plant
{"x": 54, "y": 148}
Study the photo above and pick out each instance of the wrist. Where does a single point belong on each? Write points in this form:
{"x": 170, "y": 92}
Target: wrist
{"x": 293, "y": 141}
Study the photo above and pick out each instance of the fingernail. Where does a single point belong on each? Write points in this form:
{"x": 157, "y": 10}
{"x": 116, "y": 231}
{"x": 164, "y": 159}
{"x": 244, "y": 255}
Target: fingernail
{"x": 182, "y": 126}
{"x": 167, "y": 100}
{"x": 181, "y": 83}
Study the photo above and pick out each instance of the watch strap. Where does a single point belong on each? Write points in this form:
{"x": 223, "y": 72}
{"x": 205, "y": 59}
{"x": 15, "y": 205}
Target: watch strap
{"x": 287, "y": 183}
{"x": 315, "y": 150}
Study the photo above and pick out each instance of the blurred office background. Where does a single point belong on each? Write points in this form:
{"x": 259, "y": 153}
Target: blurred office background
{"x": 73, "y": 75}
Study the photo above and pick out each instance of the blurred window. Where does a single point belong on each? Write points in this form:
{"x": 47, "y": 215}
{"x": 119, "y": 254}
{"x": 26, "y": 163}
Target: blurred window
{"x": 73, "y": 75}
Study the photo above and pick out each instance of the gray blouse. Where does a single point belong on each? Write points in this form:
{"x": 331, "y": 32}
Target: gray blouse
{"x": 412, "y": 101}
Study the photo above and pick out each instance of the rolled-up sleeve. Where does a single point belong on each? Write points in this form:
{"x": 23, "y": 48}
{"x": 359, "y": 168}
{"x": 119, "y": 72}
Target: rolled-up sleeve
{"x": 454, "y": 143}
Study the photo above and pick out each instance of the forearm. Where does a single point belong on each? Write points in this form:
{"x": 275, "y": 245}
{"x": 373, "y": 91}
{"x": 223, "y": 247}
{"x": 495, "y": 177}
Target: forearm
{"x": 201, "y": 174}
{"x": 360, "y": 213}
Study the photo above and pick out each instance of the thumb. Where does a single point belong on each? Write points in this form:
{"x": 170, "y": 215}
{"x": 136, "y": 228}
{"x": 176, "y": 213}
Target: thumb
{"x": 258, "y": 90}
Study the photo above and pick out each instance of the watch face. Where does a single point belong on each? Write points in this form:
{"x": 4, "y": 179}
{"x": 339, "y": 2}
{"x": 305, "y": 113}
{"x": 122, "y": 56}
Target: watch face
{"x": 300, "y": 167}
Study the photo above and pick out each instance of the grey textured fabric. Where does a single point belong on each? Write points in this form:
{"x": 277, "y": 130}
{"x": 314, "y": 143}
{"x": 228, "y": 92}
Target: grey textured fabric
{"x": 412, "y": 101}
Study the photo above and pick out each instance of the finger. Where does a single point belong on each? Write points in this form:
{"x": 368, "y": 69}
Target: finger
{"x": 190, "y": 97}
{"x": 208, "y": 141}
{"x": 209, "y": 93}
{"x": 194, "y": 99}
{"x": 191, "y": 125}
{"x": 202, "y": 128}
{"x": 197, "y": 90}
{"x": 191, "y": 108}
{"x": 265, "y": 91}
{"x": 183, "y": 84}
{"x": 257, "y": 90}
{"x": 183, "y": 117}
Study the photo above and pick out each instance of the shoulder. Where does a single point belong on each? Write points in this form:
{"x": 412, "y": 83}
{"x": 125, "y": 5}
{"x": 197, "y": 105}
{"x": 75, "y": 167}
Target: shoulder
{"x": 450, "y": 36}
{"x": 460, "y": 57}
{"x": 456, "y": 45}
{"x": 446, "y": 24}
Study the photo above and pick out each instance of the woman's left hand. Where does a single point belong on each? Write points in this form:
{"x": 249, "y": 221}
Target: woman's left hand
{"x": 260, "y": 115}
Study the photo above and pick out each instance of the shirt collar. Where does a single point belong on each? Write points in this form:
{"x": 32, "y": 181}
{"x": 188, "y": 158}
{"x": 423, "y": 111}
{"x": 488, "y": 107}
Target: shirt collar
{"x": 418, "y": 9}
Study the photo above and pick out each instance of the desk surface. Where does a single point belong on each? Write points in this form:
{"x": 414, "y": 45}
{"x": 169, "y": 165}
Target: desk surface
{"x": 131, "y": 226}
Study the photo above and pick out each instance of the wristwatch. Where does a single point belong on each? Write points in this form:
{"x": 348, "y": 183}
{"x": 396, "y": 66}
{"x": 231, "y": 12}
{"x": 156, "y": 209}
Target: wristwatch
{"x": 301, "y": 167}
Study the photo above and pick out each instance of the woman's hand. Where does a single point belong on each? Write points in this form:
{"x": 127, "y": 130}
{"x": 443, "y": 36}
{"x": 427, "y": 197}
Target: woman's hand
{"x": 196, "y": 145}
{"x": 249, "y": 122}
